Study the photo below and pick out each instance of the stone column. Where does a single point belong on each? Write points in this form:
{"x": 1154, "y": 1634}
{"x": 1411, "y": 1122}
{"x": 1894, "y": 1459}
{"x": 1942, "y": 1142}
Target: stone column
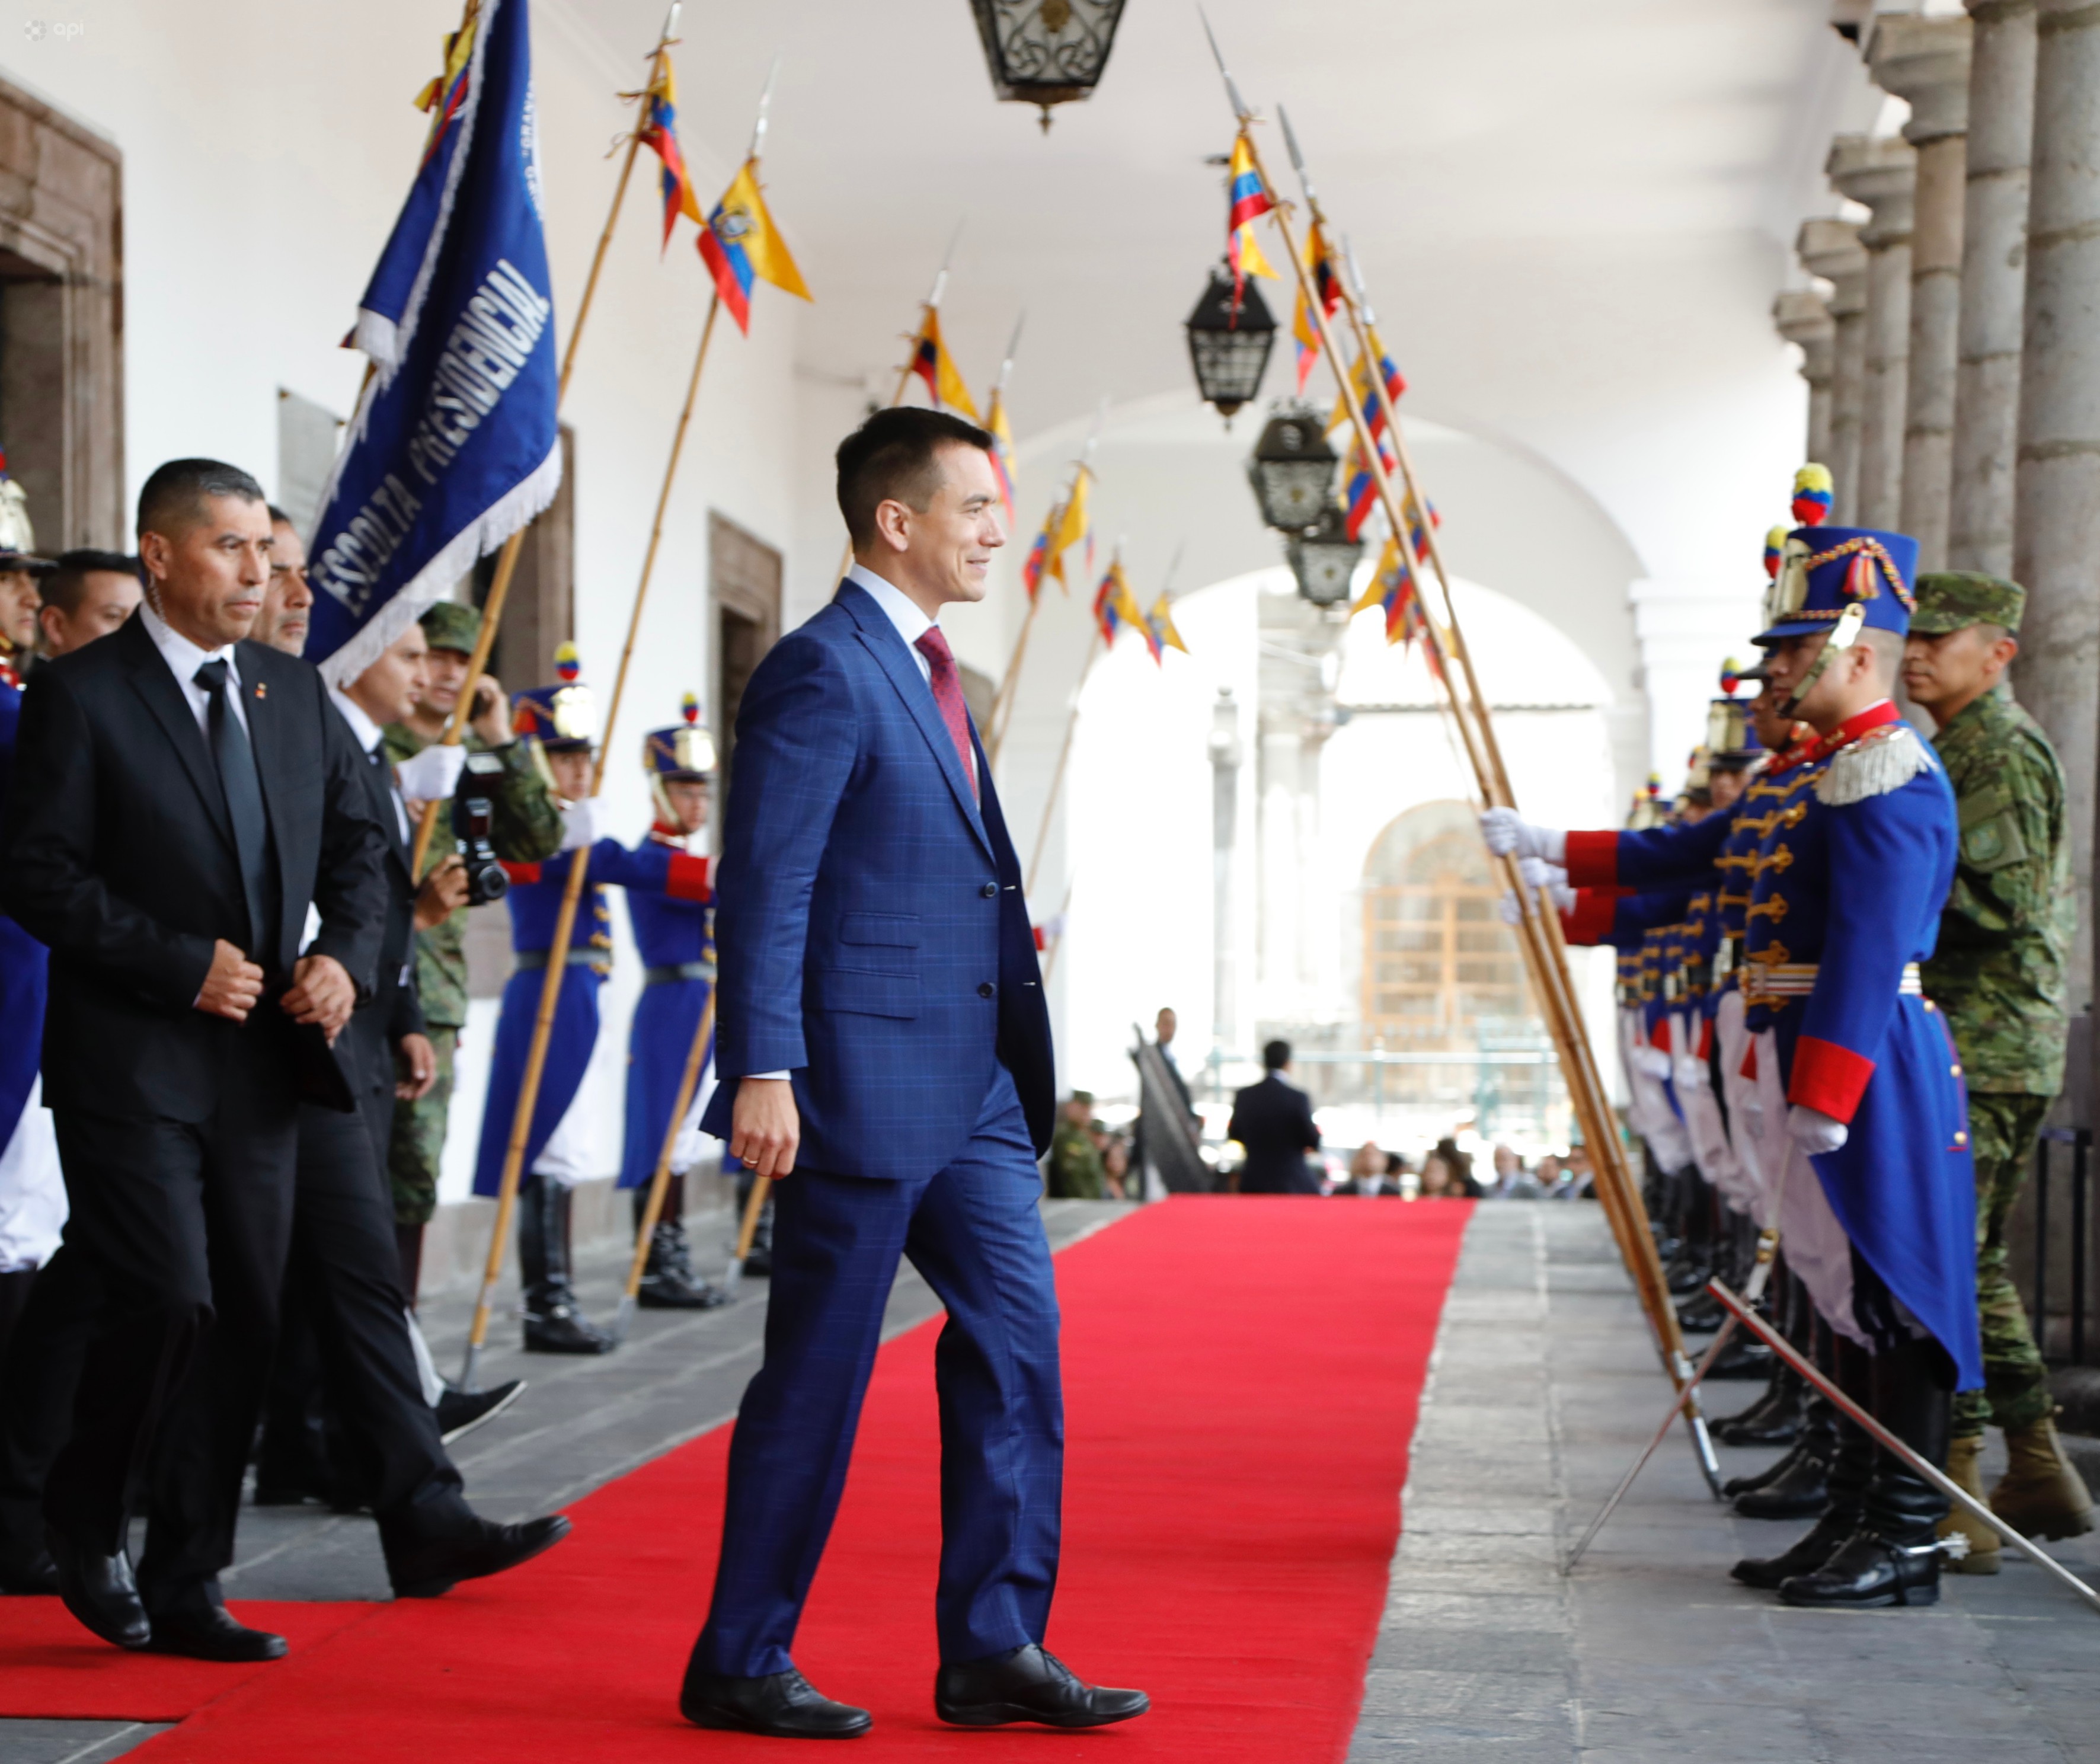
{"x": 2056, "y": 527}
{"x": 1994, "y": 279}
{"x": 1882, "y": 175}
{"x": 1801, "y": 316}
{"x": 1926, "y": 61}
{"x": 1225, "y": 756}
{"x": 1831, "y": 248}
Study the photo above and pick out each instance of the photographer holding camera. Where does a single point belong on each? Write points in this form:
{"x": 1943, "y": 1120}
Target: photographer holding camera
{"x": 524, "y": 824}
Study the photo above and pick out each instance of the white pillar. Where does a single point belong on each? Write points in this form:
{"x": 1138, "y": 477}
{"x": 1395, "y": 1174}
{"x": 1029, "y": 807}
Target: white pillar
{"x": 1801, "y": 316}
{"x": 1882, "y": 174}
{"x": 1925, "y": 60}
{"x": 1831, "y": 248}
{"x": 1994, "y": 279}
{"x": 1225, "y": 756}
{"x": 2056, "y": 544}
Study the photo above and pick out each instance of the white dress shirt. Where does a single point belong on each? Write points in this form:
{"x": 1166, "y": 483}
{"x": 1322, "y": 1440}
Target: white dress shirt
{"x": 901, "y": 611}
{"x": 183, "y": 659}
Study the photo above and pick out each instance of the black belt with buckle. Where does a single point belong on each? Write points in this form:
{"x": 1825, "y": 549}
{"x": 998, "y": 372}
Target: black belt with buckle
{"x": 663, "y": 977}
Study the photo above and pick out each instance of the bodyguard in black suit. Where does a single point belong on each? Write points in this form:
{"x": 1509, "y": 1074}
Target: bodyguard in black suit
{"x": 1273, "y": 1121}
{"x": 180, "y": 797}
{"x": 346, "y": 1261}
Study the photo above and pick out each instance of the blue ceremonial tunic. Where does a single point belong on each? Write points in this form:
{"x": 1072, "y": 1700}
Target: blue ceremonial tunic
{"x": 672, "y": 929}
{"x": 1854, "y": 857}
{"x": 536, "y": 902}
{"x": 24, "y": 962}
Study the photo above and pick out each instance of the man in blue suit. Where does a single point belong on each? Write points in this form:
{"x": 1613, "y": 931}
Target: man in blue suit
{"x": 884, "y": 1055}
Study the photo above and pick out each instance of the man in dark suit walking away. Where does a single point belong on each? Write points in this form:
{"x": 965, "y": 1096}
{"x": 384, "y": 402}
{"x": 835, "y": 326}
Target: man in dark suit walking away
{"x": 1273, "y": 1121}
{"x": 180, "y": 797}
{"x": 884, "y": 1055}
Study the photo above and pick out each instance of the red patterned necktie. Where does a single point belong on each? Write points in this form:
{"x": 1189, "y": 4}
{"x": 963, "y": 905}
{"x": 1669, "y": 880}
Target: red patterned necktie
{"x": 948, "y": 693}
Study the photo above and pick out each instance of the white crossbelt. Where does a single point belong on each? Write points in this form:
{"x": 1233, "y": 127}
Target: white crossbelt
{"x": 1796, "y": 979}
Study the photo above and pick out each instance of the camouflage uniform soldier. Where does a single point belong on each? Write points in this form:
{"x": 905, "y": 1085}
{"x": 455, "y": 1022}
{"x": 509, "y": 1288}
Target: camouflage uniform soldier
{"x": 526, "y": 827}
{"x": 1076, "y": 1171}
{"x": 1999, "y": 975}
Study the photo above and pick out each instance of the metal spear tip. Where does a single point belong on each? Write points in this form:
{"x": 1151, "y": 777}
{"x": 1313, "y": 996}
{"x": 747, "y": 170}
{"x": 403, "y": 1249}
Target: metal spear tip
{"x": 1232, "y": 91}
{"x": 670, "y": 25}
{"x": 765, "y": 105}
{"x": 622, "y": 1317}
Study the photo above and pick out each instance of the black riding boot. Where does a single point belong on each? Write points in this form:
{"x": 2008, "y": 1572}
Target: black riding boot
{"x": 1798, "y": 1485}
{"x": 668, "y": 1281}
{"x": 1694, "y": 1263}
{"x": 552, "y": 1323}
{"x": 1893, "y": 1556}
{"x": 1851, "y": 1472}
{"x": 1775, "y": 1418}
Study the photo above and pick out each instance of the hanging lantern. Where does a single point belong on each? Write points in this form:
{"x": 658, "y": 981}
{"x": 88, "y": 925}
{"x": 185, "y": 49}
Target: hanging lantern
{"x": 1046, "y": 52}
{"x": 1324, "y": 558}
{"x": 1229, "y": 344}
{"x": 1292, "y": 469}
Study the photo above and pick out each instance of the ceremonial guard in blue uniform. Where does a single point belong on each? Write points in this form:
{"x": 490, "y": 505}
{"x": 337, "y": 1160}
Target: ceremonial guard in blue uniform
{"x": 562, "y": 718}
{"x": 674, "y": 933}
{"x": 1878, "y": 1203}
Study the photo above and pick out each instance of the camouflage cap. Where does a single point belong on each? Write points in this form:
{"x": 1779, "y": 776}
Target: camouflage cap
{"x": 1085, "y": 1096}
{"x": 450, "y": 625}
{"x": 1948, "y": 600}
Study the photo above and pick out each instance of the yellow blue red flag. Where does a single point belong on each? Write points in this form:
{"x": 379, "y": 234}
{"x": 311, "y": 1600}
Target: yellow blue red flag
{"x": 1160, "y": 635}
{"x": 931, "y": 361}
{"x": 1002, "y": 450}
{"x": 1365, "y": 394}
{"x": 444, "y": 96}
{"x": 658, "y": 132}
{"x": 1072, "y": 525}
{"x": 741, "y": 246}
{"x": 1249, "y": 200}
{"x": 1115, "y": 607}
{"x": 1392, "y": 590}
{"x": 1319, "y": 270}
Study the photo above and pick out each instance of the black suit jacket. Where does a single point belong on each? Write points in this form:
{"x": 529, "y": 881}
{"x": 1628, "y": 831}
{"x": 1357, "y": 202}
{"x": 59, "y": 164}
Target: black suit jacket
{"x": 394, "y": 1009}
{"x": 1273, "y": 1121}
{"x": 117, "y": 852}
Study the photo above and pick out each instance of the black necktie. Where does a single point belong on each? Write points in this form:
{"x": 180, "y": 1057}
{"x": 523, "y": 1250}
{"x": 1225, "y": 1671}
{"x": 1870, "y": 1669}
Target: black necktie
{"x": 244, "y": 803}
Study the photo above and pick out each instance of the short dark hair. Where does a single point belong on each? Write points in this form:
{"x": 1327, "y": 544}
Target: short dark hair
{"x": 64, "y": 587}
{"x": 174, "y": 496}
{"x": 1276, "y": 1056}
{"x": 279, "y": 518}
{"x": 892, "y": 455}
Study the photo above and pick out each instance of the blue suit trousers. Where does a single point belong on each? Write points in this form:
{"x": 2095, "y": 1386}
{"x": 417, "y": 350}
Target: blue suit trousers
{"x": 972, "y": 1230}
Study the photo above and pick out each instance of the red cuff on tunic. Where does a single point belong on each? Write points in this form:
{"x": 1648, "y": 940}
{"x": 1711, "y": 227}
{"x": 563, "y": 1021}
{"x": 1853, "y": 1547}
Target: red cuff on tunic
{"x": 1590, "y": 922}
{"x": 522, "y": 872}
{"x": 1593, "y": 860}
{"x": 688, "y": 879}
{"x": 1827, "y": 1078}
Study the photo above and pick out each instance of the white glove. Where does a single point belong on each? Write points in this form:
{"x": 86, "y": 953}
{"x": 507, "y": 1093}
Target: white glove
{"x": 1687, "y": 1071}
{"x": 1652, "y": 1060}
{"x": 1512, "y": 914}
{"x": 1814, "y": 1131}
{"x": 1505, "y": 831}
{"x": 433, "y": 774}
{"x": 580, "y": 824}
{"x": 1562, "y": 896}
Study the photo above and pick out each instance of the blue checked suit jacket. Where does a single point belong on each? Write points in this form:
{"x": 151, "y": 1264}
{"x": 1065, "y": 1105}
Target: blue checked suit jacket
{"x": 871, "y": 935}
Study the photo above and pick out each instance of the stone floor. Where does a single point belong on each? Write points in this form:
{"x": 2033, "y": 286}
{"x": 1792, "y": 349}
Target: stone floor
{"x": 581, "y": 1423}
{"x": 1544, "y": 1390}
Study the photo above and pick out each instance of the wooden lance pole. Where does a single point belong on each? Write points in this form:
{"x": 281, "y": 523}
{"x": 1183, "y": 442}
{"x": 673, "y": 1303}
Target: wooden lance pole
{"x": 659, "y": 1181}
{"x": 1492, "y": 786}
{"x": 565, "y": 919}
{"x": 506, "y": 562}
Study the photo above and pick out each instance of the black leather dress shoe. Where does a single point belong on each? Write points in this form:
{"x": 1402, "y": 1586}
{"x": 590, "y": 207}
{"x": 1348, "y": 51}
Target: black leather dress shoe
{"x": 1809, "y": 1553}
{"x": 461, "y": 1411}
{"x": 1869, "y": 1570}
{"x": 99, "y": 1590}
{"x": 196, "y": 1624}
{"x": 782, "y": 1705}
{"x": 429, "y": 1569}
{"x": 1028, "y": 1684}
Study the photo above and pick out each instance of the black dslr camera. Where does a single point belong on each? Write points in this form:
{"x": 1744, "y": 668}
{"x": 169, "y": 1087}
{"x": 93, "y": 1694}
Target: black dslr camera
{"x": 472, "y": 812}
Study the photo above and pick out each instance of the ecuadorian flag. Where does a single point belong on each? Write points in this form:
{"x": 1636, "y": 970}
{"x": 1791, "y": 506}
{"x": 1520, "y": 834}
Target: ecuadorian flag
{"x": 1250, "y": 201}
{"x": 741, "y": 245}
{"x": 659, "y": 133}
{"x": 931, "y": 361}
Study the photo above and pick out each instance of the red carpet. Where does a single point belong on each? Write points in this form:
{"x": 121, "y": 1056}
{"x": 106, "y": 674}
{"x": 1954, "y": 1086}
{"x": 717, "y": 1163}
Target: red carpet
{"x": 1242, "y": 1379}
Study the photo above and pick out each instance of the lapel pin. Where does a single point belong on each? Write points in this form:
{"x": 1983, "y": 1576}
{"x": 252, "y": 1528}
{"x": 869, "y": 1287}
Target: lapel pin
{"x": 262, "y": 691}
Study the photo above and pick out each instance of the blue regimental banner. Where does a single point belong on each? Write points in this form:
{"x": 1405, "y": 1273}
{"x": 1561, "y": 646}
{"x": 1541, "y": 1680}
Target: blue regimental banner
{"x": 454, "y": 447}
